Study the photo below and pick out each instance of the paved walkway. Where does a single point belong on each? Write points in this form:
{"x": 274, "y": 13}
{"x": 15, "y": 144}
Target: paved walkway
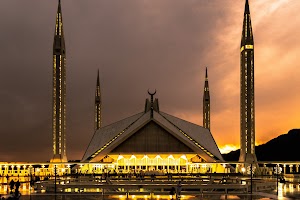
{"x": 272, "y": 196}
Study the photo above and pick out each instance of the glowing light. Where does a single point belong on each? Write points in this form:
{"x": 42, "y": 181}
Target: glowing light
{"x": 120, "y": 157}
{"x": 243, "y": 169}
{"x": 280, "y": 191}
{"x": 183, "y": 157}
{"x": 249, "y": 46}
{"x": 242, "y": 48}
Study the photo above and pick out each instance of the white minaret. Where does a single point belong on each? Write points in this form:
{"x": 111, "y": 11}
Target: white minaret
{"x": 206, "y": 104}
{"x": 98, "y": 105}
{"x": 59, "y": 91}
{"x": 247, "y": 115}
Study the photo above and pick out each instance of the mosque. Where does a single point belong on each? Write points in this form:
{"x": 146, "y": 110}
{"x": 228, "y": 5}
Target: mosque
{"x": 153, "y": 140}
{"x": 150, "y": 140}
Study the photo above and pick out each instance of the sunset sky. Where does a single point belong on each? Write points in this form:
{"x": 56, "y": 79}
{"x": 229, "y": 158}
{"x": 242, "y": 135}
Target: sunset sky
{"x": 139, "y": 45}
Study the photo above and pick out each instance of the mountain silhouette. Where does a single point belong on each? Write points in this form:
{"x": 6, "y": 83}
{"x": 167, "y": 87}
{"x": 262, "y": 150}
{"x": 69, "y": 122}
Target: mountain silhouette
{"x": 285, "y": 147}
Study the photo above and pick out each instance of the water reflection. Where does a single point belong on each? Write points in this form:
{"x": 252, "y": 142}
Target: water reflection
{"x": 24, "y": 189}
{"x": 28, "y": 193}
{"x": 288, "y": 190}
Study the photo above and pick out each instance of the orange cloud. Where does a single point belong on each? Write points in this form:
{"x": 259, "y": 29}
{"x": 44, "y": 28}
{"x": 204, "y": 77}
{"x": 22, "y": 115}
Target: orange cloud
{"x": 277, "y": 84}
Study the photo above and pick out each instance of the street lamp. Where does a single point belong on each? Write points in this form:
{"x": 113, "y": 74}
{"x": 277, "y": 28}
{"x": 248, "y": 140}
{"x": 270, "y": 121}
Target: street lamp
{"x": 251, "y": 170}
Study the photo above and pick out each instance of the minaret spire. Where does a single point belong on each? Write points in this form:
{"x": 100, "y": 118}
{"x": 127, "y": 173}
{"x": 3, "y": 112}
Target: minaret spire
{"x": 206, "y": 103}
{"x": 247, "y": 109}
{"x": 98, "y": 104}
{"x": 247, "y": 9}
{"x": 59, "y": 91}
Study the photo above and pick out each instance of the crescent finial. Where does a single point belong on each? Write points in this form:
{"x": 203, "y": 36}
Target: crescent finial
{"x": 151, "y": 93}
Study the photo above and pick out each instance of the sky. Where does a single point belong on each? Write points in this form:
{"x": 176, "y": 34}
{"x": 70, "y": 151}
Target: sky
{"x": 139, "y": 45}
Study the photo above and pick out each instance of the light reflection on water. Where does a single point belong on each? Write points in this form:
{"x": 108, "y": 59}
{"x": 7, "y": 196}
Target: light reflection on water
{"x": 100, "y": 197}
{"x": 24, "y": 187}
{"x": 288, "y": 190}
{"x": 284, "y": 190}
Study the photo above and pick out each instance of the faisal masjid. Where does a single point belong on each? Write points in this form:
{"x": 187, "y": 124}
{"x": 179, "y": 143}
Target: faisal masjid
{"x": 154, "y": 140}
{"x": 151, "y": 140}
{"x": 148, "y": 144}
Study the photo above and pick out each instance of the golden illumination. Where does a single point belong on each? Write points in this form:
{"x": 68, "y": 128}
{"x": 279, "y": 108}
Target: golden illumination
{"x": 183, "y": 157}
{"x": 243, "y": 169}
{"x": 242, "y": 48}
{"x": 248, "y": 46}
{"x": 120, "y": 157}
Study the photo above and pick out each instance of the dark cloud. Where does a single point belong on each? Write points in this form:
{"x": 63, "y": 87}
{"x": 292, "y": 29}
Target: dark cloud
{"x": 137, "y": 45}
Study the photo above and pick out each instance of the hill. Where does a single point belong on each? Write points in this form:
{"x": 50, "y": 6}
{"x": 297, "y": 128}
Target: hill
{"x": 283, "y": 148}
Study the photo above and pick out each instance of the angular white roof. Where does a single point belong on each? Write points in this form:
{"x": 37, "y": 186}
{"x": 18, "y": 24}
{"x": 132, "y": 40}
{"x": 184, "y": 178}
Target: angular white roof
{"x": 106, "y": 133}
{"x": 109, "y": 137}
{"x": 198, "y": 133}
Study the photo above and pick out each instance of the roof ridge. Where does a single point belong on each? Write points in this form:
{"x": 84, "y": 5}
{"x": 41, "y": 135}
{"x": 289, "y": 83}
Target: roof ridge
{"x": 120, "y": 120}
{"x": 106, "y": 127}
{"x": 182, "y": 119}
{"x": 187, "y": 133}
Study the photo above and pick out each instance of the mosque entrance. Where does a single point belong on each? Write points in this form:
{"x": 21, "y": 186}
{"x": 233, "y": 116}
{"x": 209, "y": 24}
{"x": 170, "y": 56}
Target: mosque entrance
{"x": 152, "y": 164}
